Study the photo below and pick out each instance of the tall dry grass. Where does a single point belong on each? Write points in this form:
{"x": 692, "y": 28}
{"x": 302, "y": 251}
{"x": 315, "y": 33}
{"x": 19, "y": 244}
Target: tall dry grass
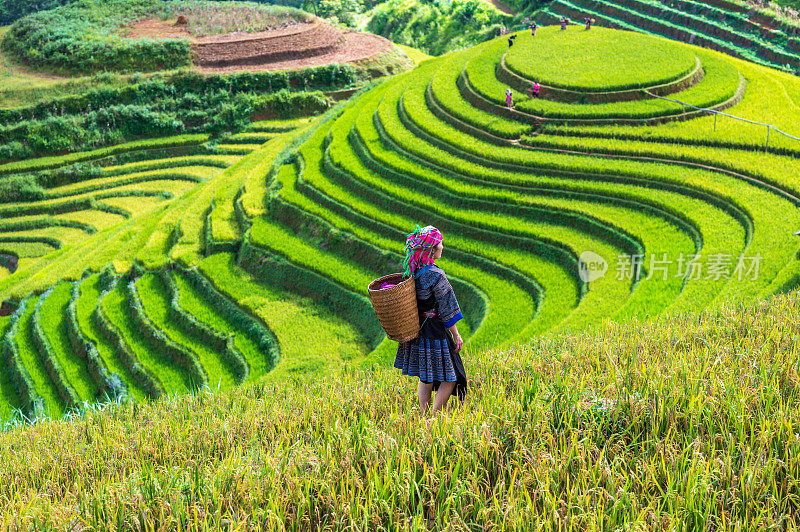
{"x": 687, "y": 423}
{"x": 213, "y": 18}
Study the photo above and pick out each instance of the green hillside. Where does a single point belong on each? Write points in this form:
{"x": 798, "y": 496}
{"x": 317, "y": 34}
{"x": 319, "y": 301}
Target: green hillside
{"x": 167, "y": 265}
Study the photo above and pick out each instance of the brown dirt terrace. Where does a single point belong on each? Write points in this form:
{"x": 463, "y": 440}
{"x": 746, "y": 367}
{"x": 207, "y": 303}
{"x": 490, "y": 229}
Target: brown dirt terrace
{"x": 295, "y": 46}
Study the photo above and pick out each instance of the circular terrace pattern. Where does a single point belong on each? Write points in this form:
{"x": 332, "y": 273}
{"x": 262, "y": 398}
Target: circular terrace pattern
{"x": 592, "y": 61}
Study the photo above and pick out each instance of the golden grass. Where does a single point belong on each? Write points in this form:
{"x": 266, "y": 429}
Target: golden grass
{"x": 686, "y": 423}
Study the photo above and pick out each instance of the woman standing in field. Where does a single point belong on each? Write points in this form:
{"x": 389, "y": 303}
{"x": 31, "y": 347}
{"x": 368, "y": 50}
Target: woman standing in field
{"x": 434, "y": 355}
{"x": 509, "y": 98}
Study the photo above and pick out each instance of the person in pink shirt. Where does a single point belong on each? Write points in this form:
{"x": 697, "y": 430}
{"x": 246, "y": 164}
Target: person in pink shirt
{"x": 509, "y": 98}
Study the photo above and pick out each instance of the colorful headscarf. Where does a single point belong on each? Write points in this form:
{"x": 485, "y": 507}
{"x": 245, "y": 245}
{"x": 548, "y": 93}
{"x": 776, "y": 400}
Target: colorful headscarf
{"x": 419, "y": 248}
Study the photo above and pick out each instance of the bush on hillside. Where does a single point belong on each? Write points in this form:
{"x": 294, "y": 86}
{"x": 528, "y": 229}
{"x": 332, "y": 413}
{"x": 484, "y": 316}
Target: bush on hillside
{"x": 12, "y": 10}
{"x": 154, "y": 110}
{"x": 20, "y": 188}
{"x": 84, "y": 37}
{"x": 189, "y": 86}
{"x": 436, "y": 26}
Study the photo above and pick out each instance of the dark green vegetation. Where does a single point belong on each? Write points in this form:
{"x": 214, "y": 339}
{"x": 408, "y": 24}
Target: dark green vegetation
{"x": 436, "y": 26}
{"x": 84, "y": 37}
{"x": 12, "y": 10}
{"x": 167, "y": 105}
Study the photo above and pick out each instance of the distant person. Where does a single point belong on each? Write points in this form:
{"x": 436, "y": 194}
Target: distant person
{"x": 509, "y": 98}
{"x": 588, "y": 22}
{"x": 511, "y": 39}
{"x": 533, "y": 28}
{"x": 534, "y": 89}
{"x": 564, "y": 23}
{"x": 434, "y": 356}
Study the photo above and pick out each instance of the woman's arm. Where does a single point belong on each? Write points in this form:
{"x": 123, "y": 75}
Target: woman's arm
{"x": 448, "y": 308}
{"x": 456, "y": 337}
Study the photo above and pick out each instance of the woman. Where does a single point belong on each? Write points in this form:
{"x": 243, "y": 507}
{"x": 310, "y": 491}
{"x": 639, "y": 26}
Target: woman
{"x": 509, "y": 98}
{"x": 434, "y": 355}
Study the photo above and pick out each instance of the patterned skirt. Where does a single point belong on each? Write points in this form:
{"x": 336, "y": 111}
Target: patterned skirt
{"x": 433, "y": 358}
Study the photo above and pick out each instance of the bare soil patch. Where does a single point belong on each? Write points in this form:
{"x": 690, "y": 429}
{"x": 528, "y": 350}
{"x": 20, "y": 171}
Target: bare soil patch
{"x": 297, "y": 45}
{"x": 354, "y": 46}
{"x": 502, "y": 7}
{"x": 167, "y": 29}
{"x": 316, "y": 39}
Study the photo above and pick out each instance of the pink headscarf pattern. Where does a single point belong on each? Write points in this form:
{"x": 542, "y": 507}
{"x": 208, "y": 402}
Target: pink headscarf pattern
{"x": 419, "y": 248}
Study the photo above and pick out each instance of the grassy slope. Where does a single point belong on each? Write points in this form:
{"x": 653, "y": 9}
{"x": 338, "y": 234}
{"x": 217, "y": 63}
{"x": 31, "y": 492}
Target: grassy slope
{"x": 311, "y": 340}
{"x": 689, "y": 421}
{"x": 8, "y": 395}
{"x": 117, "y": 308}
{"x": 90, "y": 291}
{"x": 418, "y": 56}
{"x": 20, "y": 86}
{"x": 155, "y": 301}
{"x": 54, "y": 328}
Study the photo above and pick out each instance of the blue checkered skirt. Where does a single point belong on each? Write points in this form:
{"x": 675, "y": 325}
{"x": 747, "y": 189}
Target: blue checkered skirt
{"x": 432, "y": 357}
{"x": 426, "y": 358}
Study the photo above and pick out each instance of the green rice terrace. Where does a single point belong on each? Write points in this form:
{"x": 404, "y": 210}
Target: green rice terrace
{"x": 761, "y": 32}
{"x": 159, "y": 266}
{"x": 184, "y": 260}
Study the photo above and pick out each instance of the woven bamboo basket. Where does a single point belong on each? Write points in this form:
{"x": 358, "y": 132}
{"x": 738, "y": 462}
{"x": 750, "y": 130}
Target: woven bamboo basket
{"x": 396, "y": 307}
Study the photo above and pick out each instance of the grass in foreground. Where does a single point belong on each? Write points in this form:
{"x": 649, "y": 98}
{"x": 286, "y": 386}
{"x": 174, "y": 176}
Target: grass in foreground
{"x": 685, "y": 423}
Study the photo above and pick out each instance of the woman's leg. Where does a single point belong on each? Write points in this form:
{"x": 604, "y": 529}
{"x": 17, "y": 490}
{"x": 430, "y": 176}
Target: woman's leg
{"x": 442, "y": 395}
{"x": 425, "y": 389}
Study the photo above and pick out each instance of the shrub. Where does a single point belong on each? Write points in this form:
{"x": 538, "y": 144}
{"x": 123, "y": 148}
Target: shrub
{"x": 83, "y": 37}
{"x": 154, "y": 110}
{"x": 12, "y": 10}
{"x": 435, "y": 26}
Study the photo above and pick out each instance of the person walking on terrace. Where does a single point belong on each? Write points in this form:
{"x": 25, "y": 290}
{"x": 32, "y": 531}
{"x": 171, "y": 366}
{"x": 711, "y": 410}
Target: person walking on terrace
{"x": 509, "y": 98}
{"x": 564, "y": 23}
{"x": 533, "y": 28}
{"x": 434, "y": 356}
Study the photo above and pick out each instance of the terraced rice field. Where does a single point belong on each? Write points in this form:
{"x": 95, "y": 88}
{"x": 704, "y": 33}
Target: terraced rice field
{"x": 215, "y": 266}
{"x": 733, "y": 27}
